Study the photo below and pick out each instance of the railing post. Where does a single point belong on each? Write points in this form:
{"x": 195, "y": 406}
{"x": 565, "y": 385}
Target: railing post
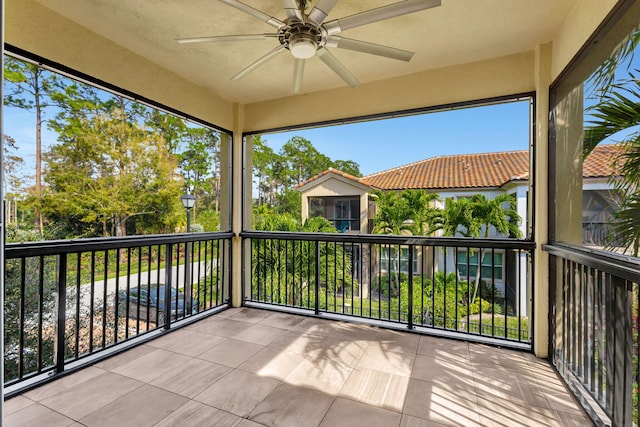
{"x": 410, "y": 286}
{"x": 317, "y": 302}
{"x": 62, "y": 313}
{"x": 168, "y": 281}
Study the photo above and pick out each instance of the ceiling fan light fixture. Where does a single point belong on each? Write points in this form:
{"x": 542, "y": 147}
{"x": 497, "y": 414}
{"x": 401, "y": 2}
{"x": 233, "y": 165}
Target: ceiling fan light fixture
{"x": 303, "y": 46}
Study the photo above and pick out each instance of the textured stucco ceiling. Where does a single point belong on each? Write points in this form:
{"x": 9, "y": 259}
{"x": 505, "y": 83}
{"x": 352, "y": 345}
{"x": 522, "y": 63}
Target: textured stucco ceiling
{"x": 459, "y": 31}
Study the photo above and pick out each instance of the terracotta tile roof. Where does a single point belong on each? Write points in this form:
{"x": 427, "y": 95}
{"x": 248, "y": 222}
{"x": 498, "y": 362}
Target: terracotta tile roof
{"x": 460, "y": 171}
{"x": 336, "y": 172}
{"x": 484, "y": 170}
{"x": 601, "y": 163}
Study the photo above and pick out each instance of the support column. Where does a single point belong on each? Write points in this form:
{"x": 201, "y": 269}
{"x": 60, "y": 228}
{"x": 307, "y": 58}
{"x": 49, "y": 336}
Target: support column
{"x": 540, "y": 291}
{"x": 237, "y": 205}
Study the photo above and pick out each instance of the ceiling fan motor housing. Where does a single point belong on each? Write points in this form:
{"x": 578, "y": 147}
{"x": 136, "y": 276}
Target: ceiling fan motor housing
{"x": 301, "y": 39}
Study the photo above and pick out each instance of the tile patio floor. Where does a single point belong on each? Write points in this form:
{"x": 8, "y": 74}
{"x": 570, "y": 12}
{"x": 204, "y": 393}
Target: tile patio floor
{"x": 248, "y": 367}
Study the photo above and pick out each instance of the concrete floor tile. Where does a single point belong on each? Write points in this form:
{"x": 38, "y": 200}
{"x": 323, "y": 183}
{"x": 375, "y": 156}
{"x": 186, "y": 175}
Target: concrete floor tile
{"x": 444, "y": 348}
{"x": 347, "y": 352}
{"x": 441, "y": 404}
{"x": 411, "y": 421}
{"x": 398, "y": 341}
{"x": 311, "y": 371}
{"x": 298, "y": 342}
{"x": 238, "y": 392}
{"x": 64, "y": 383}
{"x": 348, "y": 413}
{"x": 376, "y": 388}
{"x": 127, "y": 356}
{"x": 488, "y": 356}
{"x": 187, "y": 342}
{"x": 283, "y": 321}
{"x": 574, "y": 420}
{"x": 563, "y": 402}
{"x": 251, "y": 315}
{"x": 224, "y": 327}
{"x": 196, "y": 414}
{"x": 396, "y": 363}
{"x": 315, "y": 326}
{"x": 143, "y": 407}
{"x": 231, "y": 352}
{"x": 89, "y": 396}
{"x": 260, "y": 334}
{"x": 292, "y": 406}
{"x": 152, "y": 365}
{"x": 191, "y": 378}
{"x": 320, "y": 374}
{"x": 248, "y": 423}
{"x": 353, "y": 332}
{"x": 15, "y": 404}
{"x": 272, "y": 363}
{"x": 503, "y": 412}
{"x": 36, "y": 415}
{"x": 443, "y": 371}
{"x": 501, "y": 383}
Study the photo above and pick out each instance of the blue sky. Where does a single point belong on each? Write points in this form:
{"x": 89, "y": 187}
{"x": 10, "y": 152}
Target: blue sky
{"x": 374, "y": 145}
{"x": 384, "y": 144}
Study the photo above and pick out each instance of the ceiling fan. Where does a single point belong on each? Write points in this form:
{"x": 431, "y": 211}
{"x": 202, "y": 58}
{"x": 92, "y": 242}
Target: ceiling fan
{"x": 306, "y": 35}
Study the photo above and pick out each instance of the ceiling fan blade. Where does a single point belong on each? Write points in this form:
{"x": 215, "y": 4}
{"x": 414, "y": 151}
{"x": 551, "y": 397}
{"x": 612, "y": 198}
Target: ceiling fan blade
{"x": 298, "y": 72}
{"x": 292, "y": 10}
{"x": 254, "y": 12}
{"x": 379, "y": 14}
{"x": 371, "y": 48}
{"x": 337, "y": 67}
{"x": 266, "y": 58}
{"x": 235, "y": 38}
{"x": 319, "y": 13}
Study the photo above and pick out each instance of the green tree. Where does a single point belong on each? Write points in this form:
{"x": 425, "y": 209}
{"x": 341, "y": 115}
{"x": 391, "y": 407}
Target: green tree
{"x": 30, "y": 87}
{"x": 303, "y": 160}
{"x": 617, "y": 111}
{"x": 265, "y": 164}
{"x": 348, "y": 166}
{"x": 277, "y": 174}
{"x": 108, "y": 170}
{"x": 288, "y": 265}
{"x": 392, "y": 213}
{"x": 457, "y": 218}
{"x": 199, "y": 163}
{"x": 500, "y": 213}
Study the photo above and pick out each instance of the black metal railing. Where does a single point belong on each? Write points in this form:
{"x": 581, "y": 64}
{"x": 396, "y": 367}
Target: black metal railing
{"x": 427, "y": 284}
{"x": 67, "y": 300}
{"x": 594, "y": 330}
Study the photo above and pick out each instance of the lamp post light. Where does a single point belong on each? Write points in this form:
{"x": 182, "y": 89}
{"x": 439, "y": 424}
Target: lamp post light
{"x": 188, "y": 201}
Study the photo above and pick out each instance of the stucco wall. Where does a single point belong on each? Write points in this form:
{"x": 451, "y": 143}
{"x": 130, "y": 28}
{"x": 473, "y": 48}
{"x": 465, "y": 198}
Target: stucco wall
{"x": 485, "y": 79}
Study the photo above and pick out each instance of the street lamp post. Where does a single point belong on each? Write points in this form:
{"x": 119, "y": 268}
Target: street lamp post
{"x": 188, "y": 201}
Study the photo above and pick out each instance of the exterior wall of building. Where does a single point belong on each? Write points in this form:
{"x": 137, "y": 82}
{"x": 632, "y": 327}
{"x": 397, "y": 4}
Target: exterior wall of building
{"x": 336, "y": 186}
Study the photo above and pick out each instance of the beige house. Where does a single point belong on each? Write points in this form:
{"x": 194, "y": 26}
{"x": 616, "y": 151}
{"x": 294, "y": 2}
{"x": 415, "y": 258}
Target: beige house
{"x": 344, "y": 199}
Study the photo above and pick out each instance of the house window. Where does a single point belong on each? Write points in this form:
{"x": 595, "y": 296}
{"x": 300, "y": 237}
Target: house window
{"x": 343, "y": 212}
{"x": 385, "y": 262}
{"x": 490, "y": 269}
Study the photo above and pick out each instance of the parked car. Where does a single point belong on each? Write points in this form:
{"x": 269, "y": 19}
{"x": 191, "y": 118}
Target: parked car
{"x": 148, "y": 303}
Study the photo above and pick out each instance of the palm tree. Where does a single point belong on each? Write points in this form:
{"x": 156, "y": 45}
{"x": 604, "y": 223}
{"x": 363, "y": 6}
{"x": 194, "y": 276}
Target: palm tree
{"x": 470, "y": 217}
{"x": 617, "y": 111}
{"x": 420, "y": 207}
{"x": 392, "y": 213}
{"x": 493, "y": 212}
{"x": 457, "y": 218}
